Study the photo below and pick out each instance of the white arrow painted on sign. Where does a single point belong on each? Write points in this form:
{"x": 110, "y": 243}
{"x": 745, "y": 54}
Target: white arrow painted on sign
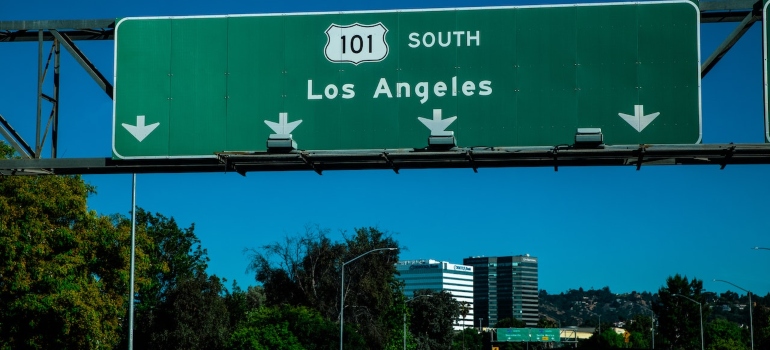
{"x": 283, "y": 126}
{"x": 639, "y": 121}
{"x": 437, "y": 125}
{"x": 140, "y": 131}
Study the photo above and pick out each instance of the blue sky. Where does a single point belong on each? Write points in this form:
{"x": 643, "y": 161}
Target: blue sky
{"x": 590, "y": 226}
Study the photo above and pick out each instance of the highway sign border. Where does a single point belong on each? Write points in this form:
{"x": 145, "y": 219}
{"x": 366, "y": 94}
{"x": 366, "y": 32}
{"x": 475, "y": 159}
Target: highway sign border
{"x": 115, "y": 153}
{"x": 765, "y": 68}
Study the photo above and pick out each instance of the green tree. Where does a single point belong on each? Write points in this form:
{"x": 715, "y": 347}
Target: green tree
{"x": 305, "y": 271}
{"x": 640, "y": 327}
{"x": 6, "y": 151}
{"x": 467, "y": 339}
{"x": 171, "y": 282}
{"x": 240, "y": 302}
{"x": 547, "y": 322}
{"x": 510, "y": 323}
{"x": 433, "y": 315}
{"x": 762, "y": 323}
{"x": 607, "y": 339}
{"x": 193, "y": 315}
{"x": 289, "y": 327}
{"x": 63, "y": 268}
{"x": 679, "y": 318}
{"x": 722, "y": 334}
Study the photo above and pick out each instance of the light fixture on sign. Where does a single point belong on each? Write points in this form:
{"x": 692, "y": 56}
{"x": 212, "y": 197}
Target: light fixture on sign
{"x": 439, "y": 137}
{"x": 281, "y": 143}
{"x": 442, "y": 141}
{"x": 589, "y": 137}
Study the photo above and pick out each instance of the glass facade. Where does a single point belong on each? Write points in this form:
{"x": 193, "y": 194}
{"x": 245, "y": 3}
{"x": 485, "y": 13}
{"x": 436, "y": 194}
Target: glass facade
{"x": 505, "y": 287}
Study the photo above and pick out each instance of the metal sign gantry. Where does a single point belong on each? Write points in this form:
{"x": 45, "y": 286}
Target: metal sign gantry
{"x": 65, "y": 33}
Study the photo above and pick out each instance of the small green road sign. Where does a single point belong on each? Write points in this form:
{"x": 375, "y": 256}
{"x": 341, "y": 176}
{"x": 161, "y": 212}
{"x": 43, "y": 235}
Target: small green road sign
{"x": 496, "y": 77}
{"x": 513, "y": 334}
{"x": 528, "y": 335}
{"x": 546, "y": 335}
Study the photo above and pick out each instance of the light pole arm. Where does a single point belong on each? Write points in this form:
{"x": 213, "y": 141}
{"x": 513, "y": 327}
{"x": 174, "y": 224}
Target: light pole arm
{"x": 732, "y": 284}
{"x": 688, "y": 298}
{"x": 369, "y": 252}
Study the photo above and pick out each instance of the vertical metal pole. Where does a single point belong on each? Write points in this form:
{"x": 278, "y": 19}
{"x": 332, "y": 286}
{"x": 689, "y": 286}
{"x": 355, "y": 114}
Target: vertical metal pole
{"x": 133, "y": 246}
{"x": 702, "y": 343}
{"x": 38, "y": 147}
{"x": 405, "y": 328}
{"x": 342, "y": 301}
{"x": 55, "y": 129}
{"x": 652, "y": 320}
{"x": 751, "y": 321}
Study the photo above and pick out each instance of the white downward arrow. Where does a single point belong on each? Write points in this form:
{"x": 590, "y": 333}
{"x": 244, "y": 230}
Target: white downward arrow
{"x": 639, "y": 121}
{"x": 283, "y": 126}
{"x": 140, "y": 131}
{"x": 437, "y": 125}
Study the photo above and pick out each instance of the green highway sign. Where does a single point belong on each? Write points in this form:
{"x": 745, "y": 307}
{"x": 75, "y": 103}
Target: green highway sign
{"x": 490, "y": 77}
{"x": 528, "y": 335}
{"x": 513, "y": 334}
{"x": 546, "y": 334}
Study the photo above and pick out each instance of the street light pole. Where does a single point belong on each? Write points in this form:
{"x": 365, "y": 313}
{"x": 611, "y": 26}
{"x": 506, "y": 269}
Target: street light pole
{"x": 758, "y": 248}
{"x": 700, "y": 306}
{"x": 652, "y": 323}
{"x": 751, "y": 317}
{"x": 342, "y": 288}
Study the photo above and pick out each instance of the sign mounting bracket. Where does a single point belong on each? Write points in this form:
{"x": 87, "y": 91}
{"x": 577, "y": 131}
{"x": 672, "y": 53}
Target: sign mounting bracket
{"x": 728, "y": 154}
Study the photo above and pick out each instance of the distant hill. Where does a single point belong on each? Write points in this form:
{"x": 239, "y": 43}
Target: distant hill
{"x": 582, "y": 307}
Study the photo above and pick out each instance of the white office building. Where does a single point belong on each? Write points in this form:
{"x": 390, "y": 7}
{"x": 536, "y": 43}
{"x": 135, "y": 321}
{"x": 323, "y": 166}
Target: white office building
{"x": 438, "y": 276}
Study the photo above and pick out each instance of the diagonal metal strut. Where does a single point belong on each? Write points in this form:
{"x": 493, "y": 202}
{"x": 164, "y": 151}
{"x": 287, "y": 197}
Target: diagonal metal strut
{"x": 731, "y": 39}
{"x": 15, "y": 139}
{"x": 69, "y": 45}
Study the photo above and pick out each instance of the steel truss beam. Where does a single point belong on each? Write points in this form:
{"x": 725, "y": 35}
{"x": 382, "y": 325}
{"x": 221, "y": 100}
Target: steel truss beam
{"x": 97, "y": 29}
{"x": 713, "y": 11}
{"x": 320, "y": 161}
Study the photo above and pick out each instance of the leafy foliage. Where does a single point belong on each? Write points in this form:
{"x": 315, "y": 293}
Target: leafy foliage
{"x": 640, "y": 327}
{"x": 433, "y": 315}
{"x": 468, "y": 338}
{"x": 679, "y": 318}
{"x": 607, "y": 339}
{"x": 288, "y": 327}
{"x": 61, "y": 280}
{"x": 722, "y": 334}
{"x": 178, "y": 305}
{"x": 510, "y": 323}
{"x": 305, "y": 271}
{"x": 240, "y": 302}
{"x": 192, "y": 316}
